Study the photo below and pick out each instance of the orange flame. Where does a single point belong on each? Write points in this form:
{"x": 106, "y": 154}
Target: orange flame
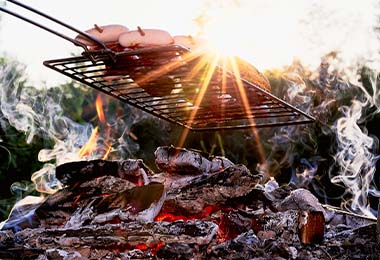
{"x": 99, "y": 108}
{"x": 92, "y": 145}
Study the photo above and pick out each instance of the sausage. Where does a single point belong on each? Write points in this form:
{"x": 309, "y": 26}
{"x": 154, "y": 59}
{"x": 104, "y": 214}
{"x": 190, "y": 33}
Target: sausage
{"x": 189, "y": 42}
{"x": 145, "y": 38}
{"x": 108, "y": 34}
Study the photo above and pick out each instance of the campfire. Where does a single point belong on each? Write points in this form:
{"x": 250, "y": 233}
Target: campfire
{"x": 193, "y": 208}
{"x": 193, "y": 205}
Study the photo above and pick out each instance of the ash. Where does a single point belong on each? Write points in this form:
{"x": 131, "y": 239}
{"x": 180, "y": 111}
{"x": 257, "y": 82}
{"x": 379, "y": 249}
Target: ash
{"x": 194, "y": 208}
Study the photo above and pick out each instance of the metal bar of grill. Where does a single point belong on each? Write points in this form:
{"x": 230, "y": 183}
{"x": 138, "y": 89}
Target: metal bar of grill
{"x": 103, "y": 47}
{"x": 171, "y": 94}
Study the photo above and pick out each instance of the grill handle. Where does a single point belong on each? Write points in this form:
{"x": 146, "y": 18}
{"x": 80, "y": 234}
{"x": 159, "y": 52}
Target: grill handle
{"x": 74, "y": 41}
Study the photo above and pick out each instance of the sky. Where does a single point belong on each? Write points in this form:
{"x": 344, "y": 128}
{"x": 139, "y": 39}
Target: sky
{"x": 268, "y": 33}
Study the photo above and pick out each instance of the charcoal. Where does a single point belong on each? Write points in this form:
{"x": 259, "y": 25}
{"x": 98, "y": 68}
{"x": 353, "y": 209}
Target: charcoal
{"x": 106, "y": 185}
{"x": 312, "y": 227}
{"x": 245, "y": 246}
{"x": 211, "y": 189}
{"x": 139, "y": 203}
{"x": 255, "y": 199}
{"x": 283, "y": 224}
{"x": 57, "y": 208}
{"x": 70, "y": 198}
{"x": 117, "y": 210}
{"x": 173, "y": 180}
{"x": 124, "y": 235}
{"x": 59, "y": 254}
{"x": 337, "y": 218}
{"x": 182, "y": 161}
{"x": 301, "y": 199}
{"x": 19, "y": 253}
{"x": 236, "y": 222}
{"x": 81, "y": 171}
{"x": 178, "y": 251}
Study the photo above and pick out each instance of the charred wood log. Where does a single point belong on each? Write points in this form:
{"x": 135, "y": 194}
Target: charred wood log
{"x": 311, "y": 215}
{"x": 312, "y": 227}
{"x": 182, "y": 161}
{"x": 245, "y": 246}
{"x": 139, "y": 203}
{"x": 80, "y": 171}
{"x": 256, "y": 199}
{"x": 211, "y": 189}
{"x": 236, "y": 222}
{"x": 122, "y": 236}
{"x": 180, "y": 251}
{"x": 301, "y": 199}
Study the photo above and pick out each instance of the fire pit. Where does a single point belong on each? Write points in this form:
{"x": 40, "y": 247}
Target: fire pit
{"x": 194, "y": 208}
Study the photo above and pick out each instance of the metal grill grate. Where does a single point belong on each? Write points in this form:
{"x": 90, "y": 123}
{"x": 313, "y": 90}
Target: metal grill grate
{"x": 163, "y": 83}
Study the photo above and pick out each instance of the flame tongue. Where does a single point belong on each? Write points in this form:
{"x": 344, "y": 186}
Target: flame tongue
{"x": 99, "y": 108}
{"x": 96, "y": 147}
{"x": 91, "y": 145}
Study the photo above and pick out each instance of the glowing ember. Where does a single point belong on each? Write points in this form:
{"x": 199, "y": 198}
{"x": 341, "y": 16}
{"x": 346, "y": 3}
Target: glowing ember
{"x": 207, "y": 211}
{"x": 153, "y": 247}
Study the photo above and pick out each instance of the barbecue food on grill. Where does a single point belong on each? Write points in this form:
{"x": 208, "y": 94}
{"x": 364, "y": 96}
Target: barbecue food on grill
{"x": 145, "y": 38}
{"x": 248, "y": 72}
{"x": 188, "y": 41}
{"x": 108, "y": 34}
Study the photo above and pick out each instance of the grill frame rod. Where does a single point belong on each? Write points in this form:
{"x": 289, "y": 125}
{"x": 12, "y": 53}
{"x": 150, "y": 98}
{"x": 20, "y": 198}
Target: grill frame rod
{"x": 171, "y": 94}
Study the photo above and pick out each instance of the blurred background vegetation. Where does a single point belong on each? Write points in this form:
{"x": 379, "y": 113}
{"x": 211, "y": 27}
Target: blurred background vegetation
{"x": 288, "y": 149}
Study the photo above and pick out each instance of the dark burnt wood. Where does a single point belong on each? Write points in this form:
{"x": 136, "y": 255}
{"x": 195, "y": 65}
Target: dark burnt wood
{"x": 211, "y": 189}
{"x": 80, "y": 171}
{"x": 120, "y": 235}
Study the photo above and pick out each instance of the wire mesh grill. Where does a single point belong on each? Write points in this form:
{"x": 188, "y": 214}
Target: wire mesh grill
{"x": 166, "y": 83}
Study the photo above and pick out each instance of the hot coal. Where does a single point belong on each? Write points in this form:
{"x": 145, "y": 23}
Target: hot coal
{"x": 122, "y": 210}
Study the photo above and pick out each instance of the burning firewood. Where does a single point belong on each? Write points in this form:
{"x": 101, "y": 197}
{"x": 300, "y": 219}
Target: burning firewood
{"x": 182, "y": 161}
{"x": 197, "y": 208}
{"x": 311, "y": 215}
{"x": 312, "y": 227}
{"x": 121, "y": 235}
{"x": 211, "y": 189}
{"x": 137, "y": 204}
{"x": 132, "y": 170}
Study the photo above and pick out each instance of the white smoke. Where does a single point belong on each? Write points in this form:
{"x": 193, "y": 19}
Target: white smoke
{"x": 36, "y": 113}
{"x": 356, "y": 157}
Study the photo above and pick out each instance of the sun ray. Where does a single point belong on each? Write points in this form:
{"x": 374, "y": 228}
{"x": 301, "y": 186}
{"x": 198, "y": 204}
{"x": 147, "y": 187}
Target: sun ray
{"x": 162, "y": 70}
{"x": 204, "y": 86}
{"x": 245, "y": 101}
{"x": 224, "y": 84}
{"x": 205, "y": 59}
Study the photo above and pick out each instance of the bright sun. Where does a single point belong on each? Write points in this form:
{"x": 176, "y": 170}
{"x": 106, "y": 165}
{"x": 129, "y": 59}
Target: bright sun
{"x": 224, "y": 31}
{"x": 267, "y": 38}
